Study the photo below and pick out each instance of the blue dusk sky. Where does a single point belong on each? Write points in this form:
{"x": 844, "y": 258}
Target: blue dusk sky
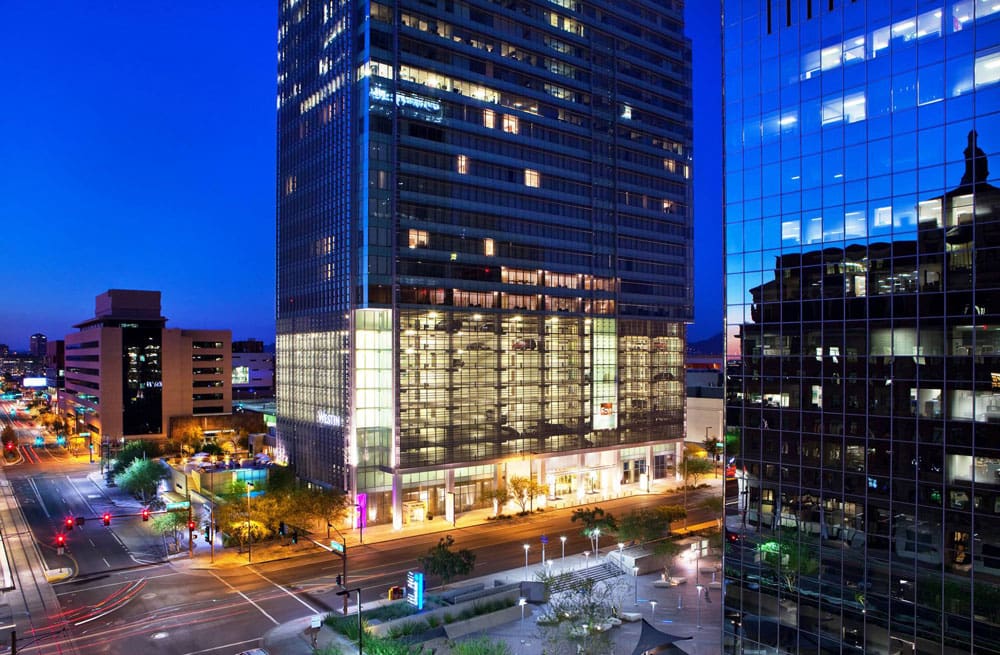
{"x": 138, "y": 152}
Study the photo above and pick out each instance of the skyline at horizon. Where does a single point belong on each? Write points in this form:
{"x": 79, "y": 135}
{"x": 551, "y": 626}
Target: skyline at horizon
{"x": 184, "y": 137}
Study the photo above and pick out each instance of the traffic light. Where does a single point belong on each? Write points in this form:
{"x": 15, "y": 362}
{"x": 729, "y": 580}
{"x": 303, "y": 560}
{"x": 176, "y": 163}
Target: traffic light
{"x": 191, "y": 525}
{"x": 107, "y": 518}
{"x": 69, "y": 522}
{"x": 295, "y": 537}
{"x": 60, "y": 540}
{"x": 10, "y": 446}
{"x": 80, "y": 521}
{"x": 281, "y": 528}
{"x": 208, "y": 534}
{"x": 145, "y": 513}
{"x": 340, "y": 580}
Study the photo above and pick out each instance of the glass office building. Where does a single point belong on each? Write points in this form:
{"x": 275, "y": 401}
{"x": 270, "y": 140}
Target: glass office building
{"x": 862, "y": 151}
{"x": 484, "y": 247}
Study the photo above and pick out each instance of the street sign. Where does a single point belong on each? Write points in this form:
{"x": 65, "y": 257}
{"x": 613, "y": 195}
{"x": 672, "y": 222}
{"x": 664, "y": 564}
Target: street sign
{"x": 337, "y": 547}
{"x": 184, "y": 504}
{"x": 544, "y": 539}
{"x": 415, "y": 589}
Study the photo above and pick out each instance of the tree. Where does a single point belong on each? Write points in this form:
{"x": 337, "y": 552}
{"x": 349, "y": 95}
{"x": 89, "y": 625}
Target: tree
{"x": 304, "y": 505}
{"x": 172, "y": 523}
{"x": 713, "y": 448}
{"x": 132, "y": 451}
{"x": 500, "y": 497}
{"x": 142, "y": 478}
{"x": 649, "y": 524}
{"x": 595, "y": 523}
{"x": 693, "y": 468}
{"x": 235, "y": 521}
{"x": 446, "y": 563}
{"x": 524, "y": 490}
{"x": 575, "y": 619}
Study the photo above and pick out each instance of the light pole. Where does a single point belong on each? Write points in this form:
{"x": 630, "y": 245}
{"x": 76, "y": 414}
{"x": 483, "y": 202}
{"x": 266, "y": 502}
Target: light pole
{"x": 522, "y": 602}
{"x": 586, "y": 555}
{"x": 597, "y": 544}
{"x": 652, "y": 612}
{"x": 249, "y": 535}
{"x": 635, "y": 586}
{"x": 699, "y": 588}
{"x": 621, "y": 554}
{"x": 527, "y": 547}
{"x": 563, "y": 540}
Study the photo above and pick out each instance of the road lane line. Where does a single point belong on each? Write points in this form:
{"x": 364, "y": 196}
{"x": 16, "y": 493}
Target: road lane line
{"x": 106, "y": 562}
{"x": 307, "y": 605}
{"x": 41, "y": 502}
{"x": 247, "y": 598}
{"x": 235, "y": 644}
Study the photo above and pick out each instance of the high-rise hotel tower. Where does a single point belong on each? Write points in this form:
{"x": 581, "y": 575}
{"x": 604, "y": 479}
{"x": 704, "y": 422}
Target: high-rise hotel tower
{"x": 862, "y": 152}
{"x": 484, "y": 247}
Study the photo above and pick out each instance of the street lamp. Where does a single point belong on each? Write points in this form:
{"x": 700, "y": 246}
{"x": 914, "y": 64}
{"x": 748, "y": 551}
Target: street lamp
{"x": 597, "y": 544}
{"x": 699, "y": 588}
{"x": 522, "y": 602}
{"x": 249, "y": 535}
{"x": 621, "y": 554}
{"x": 635, "y": 586}
{"x": 586, "y": 555}
{"x": 652, "y": 612}
{"x": 527, "y": 547}
{"x": 563, "y": 540}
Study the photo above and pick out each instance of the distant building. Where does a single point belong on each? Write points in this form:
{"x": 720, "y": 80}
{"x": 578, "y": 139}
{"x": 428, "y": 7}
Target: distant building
{"x": 127, "y": 374}
{"x": 55, "y": 364}
{"x": 37, "y": 347}
{"x": 253, "y": 371}
{"x": 4, "y": 350}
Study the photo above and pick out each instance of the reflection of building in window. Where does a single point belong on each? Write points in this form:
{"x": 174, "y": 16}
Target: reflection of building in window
{"x": 531, "y": 177}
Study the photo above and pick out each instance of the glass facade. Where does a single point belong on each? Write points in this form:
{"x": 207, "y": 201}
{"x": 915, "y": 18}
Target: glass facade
{"x": 863, "y": 294}
{"x": 484, "y": 244}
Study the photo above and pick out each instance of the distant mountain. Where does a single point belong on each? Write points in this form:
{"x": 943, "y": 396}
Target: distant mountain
{"x": 713, "y": 345}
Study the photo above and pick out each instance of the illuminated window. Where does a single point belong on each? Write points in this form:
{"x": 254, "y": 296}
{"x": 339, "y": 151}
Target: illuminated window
{"x": 510, "y": 124}
{"x": 531, "y": 177}
{"x": 489, "y": 118}
{"x": 290, "y": 184}
{"x": 987, "y": 69}
{"x": 462, "y": 164}
{"x": 488, "y": 246}
{"x": 418, "y": 238}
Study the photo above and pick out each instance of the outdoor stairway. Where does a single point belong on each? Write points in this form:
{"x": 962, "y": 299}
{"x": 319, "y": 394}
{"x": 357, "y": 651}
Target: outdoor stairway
{"x": 603, "y": 571}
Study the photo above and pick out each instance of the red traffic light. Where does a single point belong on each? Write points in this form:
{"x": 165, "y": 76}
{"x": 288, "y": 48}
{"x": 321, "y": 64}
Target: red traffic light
{"x": 60, "y": 540}
{"x": 190, "y": 525}
{"x": 145, "y": 513}
{"x": 10, "y": 445}
{"x": 107, "y": 518}
{"x": 69, "y": 522}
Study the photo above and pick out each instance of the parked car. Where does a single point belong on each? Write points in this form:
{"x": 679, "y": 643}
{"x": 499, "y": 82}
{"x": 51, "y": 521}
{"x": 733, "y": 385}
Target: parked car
{"x": 525, "y": 344}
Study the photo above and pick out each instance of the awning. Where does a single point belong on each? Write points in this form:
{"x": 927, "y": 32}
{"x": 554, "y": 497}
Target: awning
{"x": 654, "y": 642}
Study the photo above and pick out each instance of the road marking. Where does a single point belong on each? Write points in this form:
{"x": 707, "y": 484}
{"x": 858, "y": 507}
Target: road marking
{"x": 247, "y": 598}
{"x": 41, "y": 502}
{"x": 226, "y": 646}
{"x": 106, "y": 562}
{"x": 307, "y": 605}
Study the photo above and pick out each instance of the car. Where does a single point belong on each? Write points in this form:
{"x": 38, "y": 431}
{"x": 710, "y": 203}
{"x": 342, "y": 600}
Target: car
{"x": 254, "y": 651}
{"x": 525, "y": 344}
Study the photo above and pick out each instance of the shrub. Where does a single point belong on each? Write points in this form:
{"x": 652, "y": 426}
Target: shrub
{"x": 480, "y": 646}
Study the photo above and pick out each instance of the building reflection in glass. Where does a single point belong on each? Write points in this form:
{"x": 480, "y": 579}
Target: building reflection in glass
{"x": 863, "y": 386}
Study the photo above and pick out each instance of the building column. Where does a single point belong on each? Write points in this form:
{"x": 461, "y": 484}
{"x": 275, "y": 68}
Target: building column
{"x": 678, "y": 458}
{"x": 615, "y": 484}
{"x": 649, "y": 469}
{"x": 540, "y": 477}
{"x": 397, "y": 501}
